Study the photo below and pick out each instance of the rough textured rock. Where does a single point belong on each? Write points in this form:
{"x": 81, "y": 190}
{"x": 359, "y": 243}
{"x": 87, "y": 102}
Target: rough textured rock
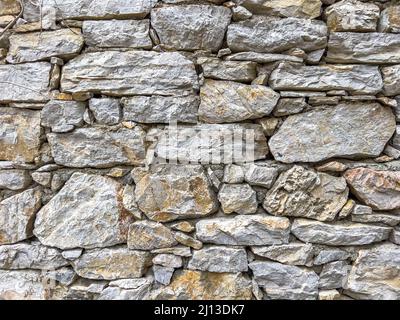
{"x": 17, "y": 215}
{"x": 225, "y": 101}
{"x": 391, "y": 80}
{"x": 191, "y": 27}
{"x": 86, "y": 213}
{"x": 262, "y": 57}
{"x": 160, "y": 109}
{"x": 305, "y": 193}
{"x": 117, "y": 34}
{"x": 389, "y": 21}
{"x": 358, "y": 79}
{"x": 175, "y": 192}
{"x": 238, "y": 198}
{"x": 127, "y": 289}
{"x": 355, "y": 131}
{"x": 14, "y": 179}
{"x": 21, "y": 285}
{"x": 262, "y": 34}
{"x": 334, "y": 275}
{"x": 375, "y": 274}
{"x": 149, "y": 235}
{"x": 272, "y": 277}
{"x": 261, "y": 176}
{"x": 374, "y": 48}
{"x": 339, "y": 233}
{"x": 246, "y": 230}
{"x": 295, "y": 253}
{"x": 129, "y": 73}
{"x": 103, "y": 147}
{"x": 36, "y": 46}
{"x": 62, "y": 116}
{"x": 106, "y": 110}
{"x": 112, "y": 263}
{"x": 378, "y": 189}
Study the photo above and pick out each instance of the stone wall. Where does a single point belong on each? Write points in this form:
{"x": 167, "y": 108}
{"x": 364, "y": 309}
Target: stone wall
{"x": 99, "y": 201}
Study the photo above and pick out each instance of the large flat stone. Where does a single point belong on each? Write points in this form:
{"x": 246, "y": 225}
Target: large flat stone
{"x": 22, "y": 285}
{"x": 129, "y": 73}
{"x": 358, "y": 130}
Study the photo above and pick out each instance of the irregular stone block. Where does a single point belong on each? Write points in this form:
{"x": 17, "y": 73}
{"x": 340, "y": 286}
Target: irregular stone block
{"x": 22, "y": 285}
{"x": 150, "y": 235}
{"x": 106, "y": 110}
{"x": 62, "y": 116}
{"x": 389, "y": 21}
{"x": 356, "y": 130}
{"x": 262, "y": 57}
{"x": 334, "y": 275}
{"x": 128, "y": 289}
{"x": 14, "y": 179}
{"x": 296, "y": 253}
{"x": 391, "y": 80}
{"x": 238, "y": 198}
{"x": 191, "y": 27}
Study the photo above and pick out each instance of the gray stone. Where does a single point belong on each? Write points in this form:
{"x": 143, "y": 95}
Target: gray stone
{"x": 357, "y": 79}
{"x": 14, "y": 179}
{"x": 375, "y": 274}
{"x": 168, "y": 260}
{"x": 117, "y": 34}
{"x": 273, "y": 278}
{"x": 17, "y": 215}
{"x": 127, "y": 289}
{"x": 25, "y": 83}
{"x": 162, "y": 274}
{"x": 385, "y": 218}
{"x": 356, "y": 130}
{"x": 374, "y": 48}
{"x": 149, "y": 235}
{"x": 330, "y": 255}
{"x": 72, "y": 254}
{"x": 62, "y": 116}
{"x": 361, "y": 210}
{"x": 261, "y": 176}
{"x": 270, "y": 35}
{"x": 112, "y": 263}
{"x": 233, "y": 174}
{"x": 262, "y": 57}
{"x": 181, "y": 251}
{"x": 391, "y": 80}
{"x": 42, "y": 178}
{"x": 103, "y": 147}
{"x": 85, "y": 213}
{"x": 160, "y": 109}
{"x": 246, "y": 230}
{"x": 129, "y": 73}
{"x": 225, "y": 101}
{"x": 296, "y": 253}
{"x": 389, "y": 21}
{"x": 106, "y": 110}
{"x": 240, "y": 13}
{"x": 339, "y": 233}
{"x": 334, "y": 275}
{"x": 238, "y": 198}
{"x": 36, "y": 46}
{"x": 188, "y": 241}
{"x": 395, "y": 236}
{"x": 191, "y": 27}
{"x": 219, "y": 259}
{"x": 300, "y": 192}
{"x": 288, "y": 106}
{"x": 396, "y": 138}
{"x": 21, "y": 285}
{"x": 65, "y": 276}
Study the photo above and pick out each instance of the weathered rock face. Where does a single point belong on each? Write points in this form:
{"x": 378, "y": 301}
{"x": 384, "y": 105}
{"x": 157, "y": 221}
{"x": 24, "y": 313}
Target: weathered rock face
{"x": 355, "y": 130}
{"x": 36, "y": 46}
{"x": 149, "y": 235}
{"x": 63, "y": 116}
{"x": 339, "y": 233}
{"x": 358, "y": 79}
{"x": 238, "y": 198}
{"x": 14, "y": 179}
{"x": 378, "y": 189}
{"x": 225, "y": 101}
{"x": 295, "y": 253}
{"x": 86, "y": 213}
{"x": 251, "y": 230}
{"x": 391, "y": 80}
{"x": 261, "y": 34}
{"x": 128, "y": 289}
{"x": 374, "y": 48}
{"x": 375, "y": 274}
{"x": 103, "y": 147}
{"x": 21, "y": 285}
{"x": 129, "y": 73}
{"x": 305, "y": 193}
{"x": 191, "y": 27}
{"x": 389, "y": 21}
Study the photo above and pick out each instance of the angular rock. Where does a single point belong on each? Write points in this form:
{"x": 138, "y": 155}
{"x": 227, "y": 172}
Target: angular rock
{"x": 352, "y": 15}
{"x": 395, "y": 236}
{"x": 262, "y": 57}
{"x": 72, "y": 254}
{"x": 168, "y": 260}
{"x": 305, "y": 193}
{"x": 356, "y": 130}
{"x": 330, "y": 255}
{"x": 106, "y": 110}
{"x": 9, "y": 7}
{"x": 196, "y": 285}
{"x": 219, "y": 259}
{"x": 334, "y": 275}
{"x": 357, "y": 79}
{"x": 149, "y": 235}
{"x": 238, "y": 198}
{"x": 338, "y": 233}
{"x": 37, "y": 46}
{"x": 296, "y": 253}
{"x": 117, "y": 34}
{"x": 25, "y": 83}
{"x": 373, "y": 48}
{"x": 273, "y": 278}
{"x": 160, "y": 109}
{"x": 389, "y": 219}
{"x": 169, "y": 192}
{"x": 22, "y": 285}
{"x": 391, "y": 80}
{"x": 245, "y": 230}
{"x": 128, "y": 289}
{"x": 223, "y": 101}
{"x": 375, "y": 274}
{"x": 233, "y": 174}
{"x": 99, "y": 147}
{"x": 14, "y": 179}
{"x": 389, "y": 21}
{"x": 177, "y": 250}
{"x": 86, "y": 213}
{"x": 378, "y": 189}
{"x": 30, "y": 256}
{"x": 269, "y": 35}
{"x": 213, "y": 143}
{"x": 17, "y": 215}
{"x": 288, "y": 106}
{"x": 112, "y": 263}
{"x": 188, "y": 241}
{"x": 257, "y": 175}
{"x": 191, "y": 27}
{"x": 62, "y": 116}
{"x": 162, "y": 274}
{"x": 129, "y": 73}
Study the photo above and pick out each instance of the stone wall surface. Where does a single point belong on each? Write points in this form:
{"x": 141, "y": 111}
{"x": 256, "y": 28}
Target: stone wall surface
{"x": 173, "y": 149}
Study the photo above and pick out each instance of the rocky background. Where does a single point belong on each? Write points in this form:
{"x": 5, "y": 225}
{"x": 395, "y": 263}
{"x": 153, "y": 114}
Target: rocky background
{"x": 87, "y": 88}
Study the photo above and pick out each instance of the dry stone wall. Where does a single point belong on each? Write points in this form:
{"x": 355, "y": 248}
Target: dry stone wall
{"x": 174, "y": 149}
